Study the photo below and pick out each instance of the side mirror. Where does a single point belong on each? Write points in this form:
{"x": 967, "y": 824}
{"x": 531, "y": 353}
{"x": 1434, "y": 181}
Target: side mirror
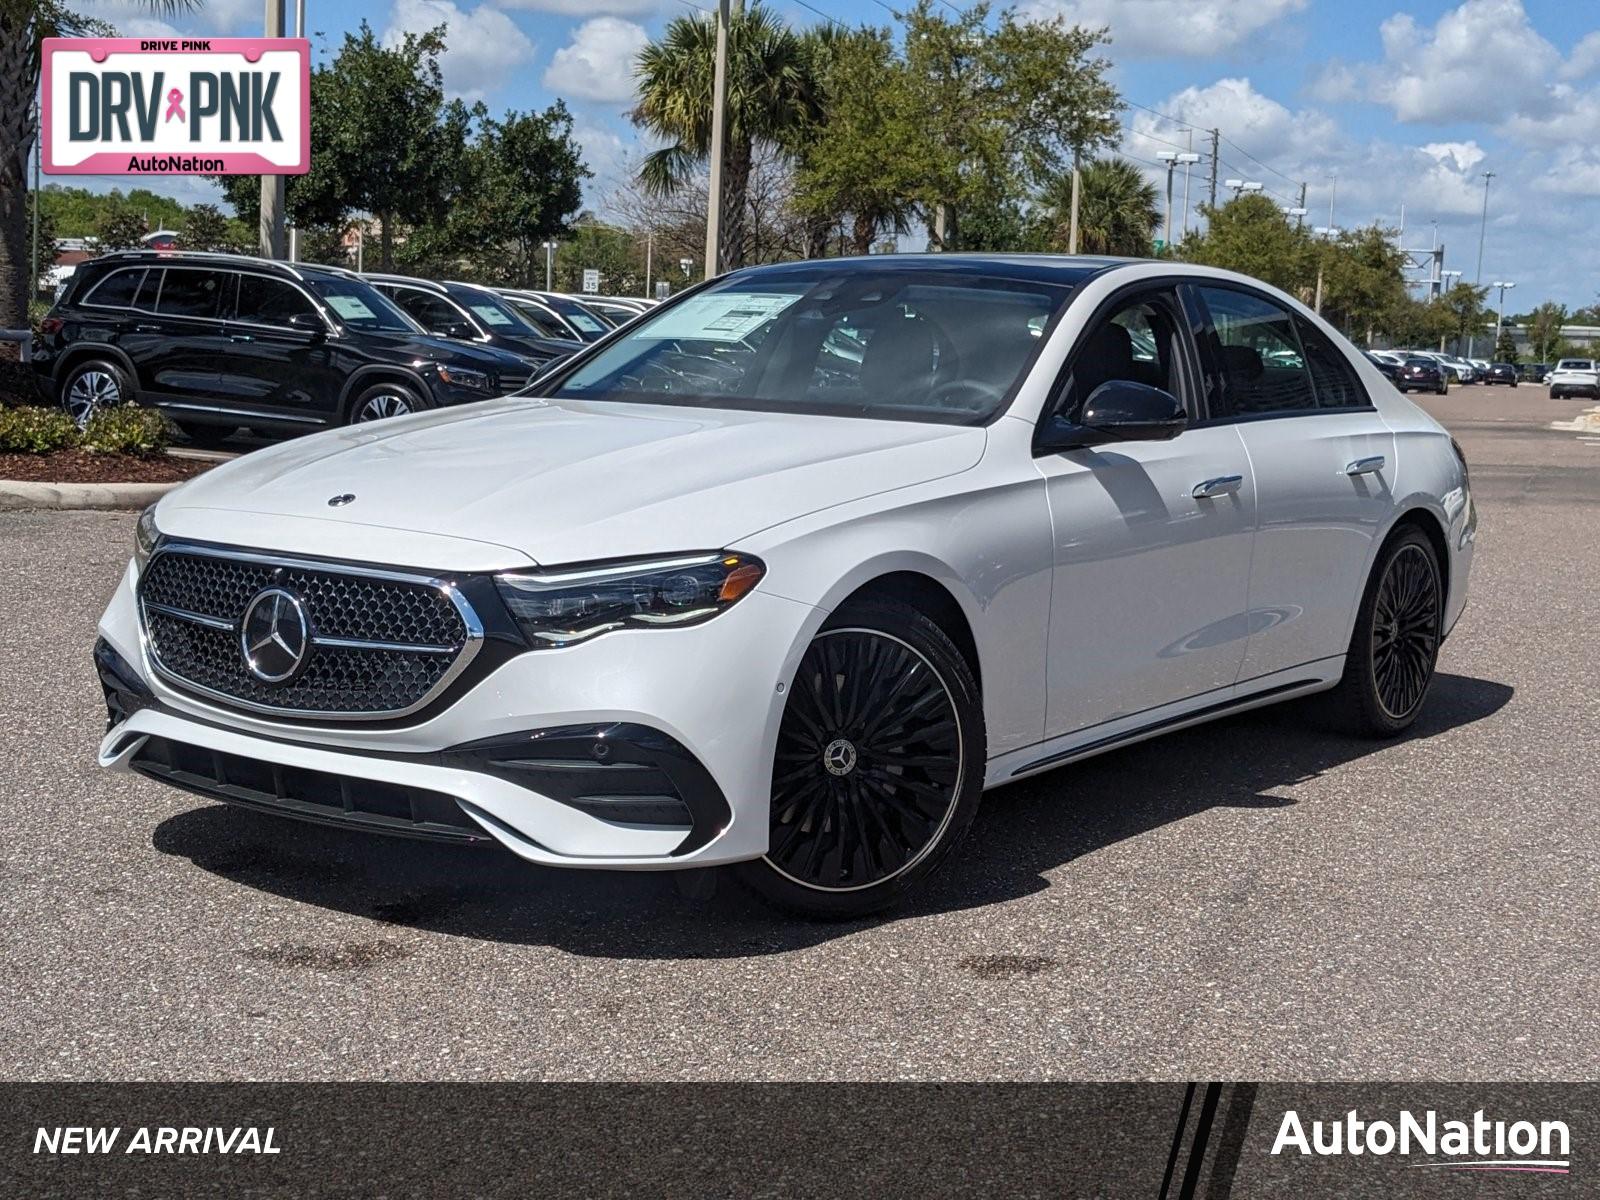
{"x": 1118, "y": 411}
{"x": 308, "y": 323}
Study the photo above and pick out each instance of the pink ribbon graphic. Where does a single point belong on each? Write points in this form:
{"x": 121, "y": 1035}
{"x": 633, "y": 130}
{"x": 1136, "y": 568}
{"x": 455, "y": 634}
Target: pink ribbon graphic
{"x": 175, "y": 105}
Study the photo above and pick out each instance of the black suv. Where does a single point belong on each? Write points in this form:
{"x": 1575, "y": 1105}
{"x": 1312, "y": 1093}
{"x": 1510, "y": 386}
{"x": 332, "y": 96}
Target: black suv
{"x": 219, "y": 341}
{"x": 467, "y": 312}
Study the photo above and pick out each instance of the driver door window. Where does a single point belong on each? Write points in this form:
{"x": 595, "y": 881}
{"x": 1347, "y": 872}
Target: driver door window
{"x": 1140, "y": 342}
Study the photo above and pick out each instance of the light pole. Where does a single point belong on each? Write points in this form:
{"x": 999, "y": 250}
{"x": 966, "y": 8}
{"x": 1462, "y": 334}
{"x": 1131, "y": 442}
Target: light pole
{"x": 1500, "y": 312}
{"x": 719, "y": 122}
{"x": 1170, "y": 157}
{"x": 549, "y": 266}
{"x": 686, "y": 265}
{"x": 1329, "y": 232}
{"x": 1483, "y": 228}
{"x": 1241, "y": 186}
{"x": 270, "y": 226}
{"x": 1299, "y": 214}
{"x": 1444, "y": 289}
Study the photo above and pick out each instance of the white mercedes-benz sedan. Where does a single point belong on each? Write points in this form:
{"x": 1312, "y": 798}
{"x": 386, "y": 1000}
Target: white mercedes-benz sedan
{"x": 788, "y": 571}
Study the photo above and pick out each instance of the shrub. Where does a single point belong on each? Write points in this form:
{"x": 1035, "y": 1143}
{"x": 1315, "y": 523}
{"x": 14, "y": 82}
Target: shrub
{"x": 34, "y": 430}
{"x": 127, "y": 429}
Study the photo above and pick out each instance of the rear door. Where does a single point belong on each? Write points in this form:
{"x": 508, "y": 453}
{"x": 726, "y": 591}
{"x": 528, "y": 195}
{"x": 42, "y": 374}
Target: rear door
{"x": 178, "y": 337}
{"x": 1322, "y": 460}
{"x": 279, "y": 362}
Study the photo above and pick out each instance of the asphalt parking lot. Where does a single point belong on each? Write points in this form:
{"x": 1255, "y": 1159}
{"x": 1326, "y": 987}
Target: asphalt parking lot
{"x": 1253, "y": 899}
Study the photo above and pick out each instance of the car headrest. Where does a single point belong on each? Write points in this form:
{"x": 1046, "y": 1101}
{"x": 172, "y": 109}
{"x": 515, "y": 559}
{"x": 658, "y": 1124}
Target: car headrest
{"x": 900, "y": 357}
{"x": 1242, "y": 362}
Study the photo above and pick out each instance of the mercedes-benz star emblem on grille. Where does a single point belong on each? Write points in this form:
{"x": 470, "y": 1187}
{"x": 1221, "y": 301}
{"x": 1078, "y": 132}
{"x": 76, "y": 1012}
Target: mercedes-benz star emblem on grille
{"x": 341, "y": 499}
{"x": 274, "y": 635}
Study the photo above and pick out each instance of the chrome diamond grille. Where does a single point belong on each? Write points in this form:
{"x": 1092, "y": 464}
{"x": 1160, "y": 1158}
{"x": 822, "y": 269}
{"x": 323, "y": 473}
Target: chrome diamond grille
{"x": 381, "y": 644}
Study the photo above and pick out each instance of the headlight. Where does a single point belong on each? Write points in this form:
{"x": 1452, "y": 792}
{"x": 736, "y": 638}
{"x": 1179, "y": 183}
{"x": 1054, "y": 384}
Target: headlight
{"x": 559, "y": 608}
{"x": 465, "y": 378}
{"x": 145, "y": 536}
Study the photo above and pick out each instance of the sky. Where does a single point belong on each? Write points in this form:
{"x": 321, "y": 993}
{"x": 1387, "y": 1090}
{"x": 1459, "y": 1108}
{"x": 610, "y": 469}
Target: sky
{"x": 1377, "y": 106}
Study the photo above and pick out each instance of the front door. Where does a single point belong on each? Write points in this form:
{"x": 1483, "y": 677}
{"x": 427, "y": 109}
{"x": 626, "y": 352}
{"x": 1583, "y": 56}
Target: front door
{"x": 1152, "y": 539}
{"x": 280, "y": 362}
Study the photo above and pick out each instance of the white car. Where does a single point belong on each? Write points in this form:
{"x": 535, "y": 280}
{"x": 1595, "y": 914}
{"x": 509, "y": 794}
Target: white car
{"x": 730, "y": 591}
{"x": 1574, "y": 377}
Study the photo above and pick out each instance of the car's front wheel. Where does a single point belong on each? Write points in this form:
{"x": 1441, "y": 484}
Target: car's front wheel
{"x": 1390, "y": 664}
{"x": 91, "y": 387}
{"x": 383, "y": 400}
{"x": 879, "y": 764}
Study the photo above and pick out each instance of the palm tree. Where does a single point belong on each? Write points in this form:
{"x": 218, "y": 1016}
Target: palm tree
{"x": 1117, "y": 208}
{"x": 770, "y": 96}
{"x": 24, "y": 24}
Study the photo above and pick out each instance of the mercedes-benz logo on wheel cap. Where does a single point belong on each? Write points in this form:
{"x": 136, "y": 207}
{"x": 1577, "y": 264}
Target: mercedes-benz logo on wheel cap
{"x": 274, "y": 635}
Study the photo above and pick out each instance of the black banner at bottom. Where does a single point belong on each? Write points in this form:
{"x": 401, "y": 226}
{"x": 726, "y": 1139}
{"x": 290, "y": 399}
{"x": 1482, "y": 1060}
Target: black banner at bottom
{"x": 1153, "y": 1141}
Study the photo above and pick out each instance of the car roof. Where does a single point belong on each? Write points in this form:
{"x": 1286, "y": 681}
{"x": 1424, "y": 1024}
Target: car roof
{"x": 1070, "y": 269}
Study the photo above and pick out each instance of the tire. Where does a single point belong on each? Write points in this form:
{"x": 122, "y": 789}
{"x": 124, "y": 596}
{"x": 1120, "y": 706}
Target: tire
{"x": 853, "y": 830}
{"x": 201, "y": 434}
{"x": 1443, "y": 389}
{"x": 1389, "y": 666}
{"x": 91, "y": 386}
{"x": 383, "y": 400}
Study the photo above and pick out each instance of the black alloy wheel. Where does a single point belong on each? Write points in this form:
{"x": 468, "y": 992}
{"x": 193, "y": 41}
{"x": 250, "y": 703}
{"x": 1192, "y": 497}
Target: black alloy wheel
{"x": 1395, "y": 648}
{"x": 384, "y": 400}
{"x": 1405, "y": 630}
{"x": 878, "y": 767}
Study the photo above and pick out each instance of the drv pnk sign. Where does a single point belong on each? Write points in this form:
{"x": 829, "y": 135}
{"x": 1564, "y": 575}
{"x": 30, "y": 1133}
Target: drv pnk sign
{"x": 176, "y": 106}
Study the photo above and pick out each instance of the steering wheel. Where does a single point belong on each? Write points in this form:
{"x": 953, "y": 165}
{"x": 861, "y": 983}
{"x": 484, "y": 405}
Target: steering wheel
{"x": 965, "y": 388}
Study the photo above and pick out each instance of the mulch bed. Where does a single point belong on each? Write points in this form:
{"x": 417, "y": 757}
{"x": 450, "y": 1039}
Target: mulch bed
{"x": 79, "y": 466}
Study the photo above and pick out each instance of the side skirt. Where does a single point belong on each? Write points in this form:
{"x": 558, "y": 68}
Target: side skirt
{"x": 1098, "y": 739}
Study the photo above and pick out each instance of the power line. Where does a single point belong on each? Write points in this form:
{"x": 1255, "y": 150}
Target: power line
{"x": 823, "y": 15}
{"x": 1258, "y": 162}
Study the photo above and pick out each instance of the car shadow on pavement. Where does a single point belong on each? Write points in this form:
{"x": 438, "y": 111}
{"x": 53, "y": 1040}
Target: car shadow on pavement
{"x": 1022, "y": 831}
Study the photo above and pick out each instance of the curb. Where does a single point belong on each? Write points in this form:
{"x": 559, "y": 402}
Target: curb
{"x": 18, "y": 495}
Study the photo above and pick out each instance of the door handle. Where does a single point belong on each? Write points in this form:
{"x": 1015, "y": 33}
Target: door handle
{"x": 240, "y": 337}
{"x": 147, "y": 329}
{"x": 1222, "y": 485}
{"x": 1366, "y": 466}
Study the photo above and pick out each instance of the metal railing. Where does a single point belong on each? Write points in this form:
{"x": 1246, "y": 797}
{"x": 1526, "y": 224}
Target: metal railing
{"x": 24, "y": 340}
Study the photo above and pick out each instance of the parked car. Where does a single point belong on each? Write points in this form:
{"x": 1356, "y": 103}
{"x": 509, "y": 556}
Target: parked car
{"x": 1575, "y": 377}
{"x": 1419, "y": 374}
{"x": 580, "y": 321}
{"x": 468, "y": 312}
{"x": 1533, "y": 372}
{"x": 1501, "y": 373}
{"x": 1388, "y": 366}
{"x": 799, "y": 620}
{"x": 221, "y": 341}
{"x": 615, "y": 312}
{"x": 1460, "y": 368}
{"x": 1480, "y": 366}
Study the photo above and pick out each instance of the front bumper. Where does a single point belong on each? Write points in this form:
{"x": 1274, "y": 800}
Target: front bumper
{"x": 696, "y": 707}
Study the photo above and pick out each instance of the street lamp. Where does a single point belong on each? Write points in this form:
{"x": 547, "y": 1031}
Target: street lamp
{"x": 687, "y": 265}
{"x": 1329, "y": 232}
{"x": 1299, "y": 214}
{"x": 1240, "y": 186}
{"x": 1172, "y": 158}
{"x": 1444, "y": 286}
{"x": 549, "y": 266}
{"x": 1500, "y": 311}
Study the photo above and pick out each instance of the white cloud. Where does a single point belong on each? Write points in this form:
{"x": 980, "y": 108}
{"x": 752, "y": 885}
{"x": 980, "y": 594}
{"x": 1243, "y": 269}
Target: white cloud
{"x": 1465, "y": 155}
{"x": 1176, "y": 28}
{"x": 132, "y": 18}
{"x": 481, "y": 46}
{"x": 598, "y": 63}
{"x": 590, "y": 8}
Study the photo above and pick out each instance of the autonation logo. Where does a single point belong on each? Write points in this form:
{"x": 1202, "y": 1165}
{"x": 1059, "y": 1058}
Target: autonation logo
{"x": 1480, "y": 1144}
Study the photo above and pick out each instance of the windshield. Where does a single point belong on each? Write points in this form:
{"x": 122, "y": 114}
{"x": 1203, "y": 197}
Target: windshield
{"x": 1574, "y": 364}
{"x": 921, "y": 345}
{"x": 499, "y": 316}
{"x": 360, "y": 305}
{"x": 588, "y": 324}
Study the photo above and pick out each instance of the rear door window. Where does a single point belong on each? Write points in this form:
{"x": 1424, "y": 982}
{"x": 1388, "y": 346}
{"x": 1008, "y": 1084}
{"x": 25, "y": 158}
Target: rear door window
{"x": 120, "y": 289}
{"x": 1262, "y": 362}
{"x": 1335, "y": 380}
{"x": 186, "y": 292}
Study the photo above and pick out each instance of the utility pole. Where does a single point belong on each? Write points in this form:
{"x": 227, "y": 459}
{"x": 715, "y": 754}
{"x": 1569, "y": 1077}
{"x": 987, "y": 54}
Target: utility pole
{"x": 38, "y": 197}
{"x": 719, "y": 121}
{"x": 1483, "y": 228}
{"x": 272, "y": 185}
{"x": 1216, "y": 150}
{"x": 1300, "y": 209}
{"x": 1189, "y": 160}
{"x": 1072, "y": 229}
{"x": 1170, "y": 157}
{"x": 649, "y": 255}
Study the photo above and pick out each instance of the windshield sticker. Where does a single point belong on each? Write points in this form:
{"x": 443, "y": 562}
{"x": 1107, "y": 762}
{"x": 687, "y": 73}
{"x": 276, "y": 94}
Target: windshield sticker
{"x": 351, "y": 308}
{"x": 490, "y": 314}
{"x": 721, "y": 317}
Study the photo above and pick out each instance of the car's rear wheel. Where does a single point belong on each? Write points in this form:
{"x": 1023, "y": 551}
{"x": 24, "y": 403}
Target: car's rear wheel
{"x": 92, "y": 386}
{"x": 384, "y": 400}
{"x": 201, "y": 434}
{"x": 879, "y": 764}
{"x": 1390, "y": 664}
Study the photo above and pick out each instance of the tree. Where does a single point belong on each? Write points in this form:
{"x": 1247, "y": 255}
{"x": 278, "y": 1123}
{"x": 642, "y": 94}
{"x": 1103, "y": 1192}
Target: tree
{"x": 1544, "y": 329}
{"x": 1362, "y": 279}
{"x": 1417, "y": 323}
{"x": 1465, "y": 304}
{"x": 24, "y": 24}
{"x": 1248, "y": 234}
{"x": 121, "y": 229}
{"x": 859, "y": 163}
{"x": 1505, "y": 349}
{"x": 770, "y": 96}
{"x": 206, "y": 228}
{"x": 1117, "y": 209}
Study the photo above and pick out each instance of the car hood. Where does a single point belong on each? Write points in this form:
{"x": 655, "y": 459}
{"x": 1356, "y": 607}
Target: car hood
{"x": 436, "y": 349}
{"x": 555, "y": 481}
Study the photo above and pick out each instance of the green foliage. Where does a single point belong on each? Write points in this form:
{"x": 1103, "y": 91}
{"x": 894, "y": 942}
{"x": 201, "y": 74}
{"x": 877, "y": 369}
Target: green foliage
{"x": 1544, "y": 330}
{"x": 1362, "y": 279}
{"x": 122, "y": 229}
{"x": 1465, "y": 306}
{"x": 1248, "y": 234}
{"x": 126, "y": 429}
{"x": 1416, "y": 323}
{"x": 1505, "y": 350}
{"x": 79, "y": 213}
{"x": 206, "y": 227}
{"x": 1118, "y": 209}
{"x": 35, "y": 430}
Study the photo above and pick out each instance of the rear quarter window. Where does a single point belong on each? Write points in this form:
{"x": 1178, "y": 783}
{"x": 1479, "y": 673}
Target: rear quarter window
{"x": 120, "y": 289}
